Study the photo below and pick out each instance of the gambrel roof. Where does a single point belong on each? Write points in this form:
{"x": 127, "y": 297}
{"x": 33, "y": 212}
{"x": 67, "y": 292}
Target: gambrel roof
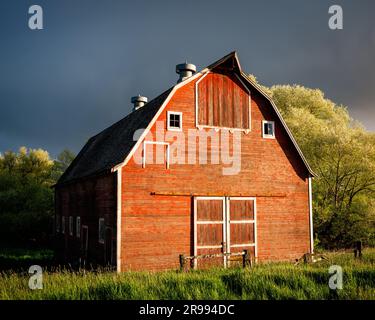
{"x": 113, "y": 147}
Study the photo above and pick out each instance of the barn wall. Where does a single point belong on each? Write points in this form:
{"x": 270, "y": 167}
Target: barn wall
{"x": 90, "y": 199}
{"x": 157, "y": 228}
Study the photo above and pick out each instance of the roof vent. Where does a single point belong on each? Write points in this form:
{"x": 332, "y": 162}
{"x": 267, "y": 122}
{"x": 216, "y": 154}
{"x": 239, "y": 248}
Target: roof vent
{"x": 138, "y": 101}
{"x": 185, "y": 70}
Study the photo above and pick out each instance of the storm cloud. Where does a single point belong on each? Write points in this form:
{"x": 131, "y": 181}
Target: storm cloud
{"x": 67, "y": 82}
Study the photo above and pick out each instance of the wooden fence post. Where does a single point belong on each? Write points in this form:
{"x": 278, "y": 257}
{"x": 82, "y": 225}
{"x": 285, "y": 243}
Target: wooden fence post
{"x": 358, "y": 250}
{"x": 245, "y": 258}
{"x": 182, "y": 262}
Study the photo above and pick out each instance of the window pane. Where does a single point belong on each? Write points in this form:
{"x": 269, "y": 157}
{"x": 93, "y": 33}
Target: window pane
{"x": 101, "y": 230}
{"x": 270, "y": 129}
{"x": 71, "y": 225}
{"x": 174, "y": 120}
{"x": 63, "y": 224}
{"x": 78, "y": 227}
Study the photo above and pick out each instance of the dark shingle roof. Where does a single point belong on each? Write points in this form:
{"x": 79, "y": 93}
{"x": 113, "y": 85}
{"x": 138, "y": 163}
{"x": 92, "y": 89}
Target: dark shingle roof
{"x": 111, "y": 146}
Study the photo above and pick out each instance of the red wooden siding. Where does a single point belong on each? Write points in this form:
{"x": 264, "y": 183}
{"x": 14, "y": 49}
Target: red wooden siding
{"x": 157, "y": 228}
{"x": 223, "y": 102}
{"x": 242, "y": 210}
{"x": 90, "y": 199}
{"x": 211, "y": 233}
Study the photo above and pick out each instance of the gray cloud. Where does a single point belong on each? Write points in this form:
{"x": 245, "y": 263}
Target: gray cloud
{"x": 65, "y": 83}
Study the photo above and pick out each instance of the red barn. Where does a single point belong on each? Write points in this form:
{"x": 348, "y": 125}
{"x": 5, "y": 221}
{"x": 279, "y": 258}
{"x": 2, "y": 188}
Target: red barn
{"x": 208, "y": 166}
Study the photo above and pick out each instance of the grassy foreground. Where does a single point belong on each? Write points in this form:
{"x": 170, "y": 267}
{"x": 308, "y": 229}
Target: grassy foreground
{"x": 267, "y": 281}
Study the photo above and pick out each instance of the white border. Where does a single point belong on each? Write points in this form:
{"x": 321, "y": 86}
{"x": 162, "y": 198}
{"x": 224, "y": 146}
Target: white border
{"x": 311, "y": 218}
{"x": 145, "y": 143}
{"x": 268, "y": 136}
{"x": 169, "y": 128}
{"x": 118, "y": 220}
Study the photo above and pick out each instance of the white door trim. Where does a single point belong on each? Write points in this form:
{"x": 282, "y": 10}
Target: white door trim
{"x": 226, "y": 222}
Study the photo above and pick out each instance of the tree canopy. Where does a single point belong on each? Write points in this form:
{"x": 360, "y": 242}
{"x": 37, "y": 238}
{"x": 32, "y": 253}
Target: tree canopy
{"x": 342, "y": 153}
{"x": 26, "y": 196}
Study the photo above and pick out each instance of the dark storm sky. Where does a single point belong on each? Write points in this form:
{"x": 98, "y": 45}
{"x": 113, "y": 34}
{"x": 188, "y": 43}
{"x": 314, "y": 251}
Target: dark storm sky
{"x": 63, "y": 84}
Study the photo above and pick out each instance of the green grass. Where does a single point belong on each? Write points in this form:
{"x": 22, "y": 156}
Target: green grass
{"x": 17, "y": 254}
{"x": 264, "y": 281}
{"x": 20, "y": 259}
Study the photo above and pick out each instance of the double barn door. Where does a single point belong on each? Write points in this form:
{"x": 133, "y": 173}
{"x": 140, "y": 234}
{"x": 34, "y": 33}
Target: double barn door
{"x": 223, "y": 225}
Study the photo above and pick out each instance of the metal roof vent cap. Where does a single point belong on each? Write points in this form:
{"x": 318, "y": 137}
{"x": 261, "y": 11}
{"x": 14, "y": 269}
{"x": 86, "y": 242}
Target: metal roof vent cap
{"x": 185, "y": 70}
{"x": 138, "y": 101}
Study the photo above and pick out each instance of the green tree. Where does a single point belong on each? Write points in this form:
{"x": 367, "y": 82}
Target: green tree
{"x": 64, "y": 159}
{"x": 26, "y": 196}
{"x": 342, "y": 153}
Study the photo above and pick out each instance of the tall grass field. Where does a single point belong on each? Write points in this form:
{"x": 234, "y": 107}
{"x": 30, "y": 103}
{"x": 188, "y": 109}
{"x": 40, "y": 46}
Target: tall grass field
{"x": 263, "y": 281}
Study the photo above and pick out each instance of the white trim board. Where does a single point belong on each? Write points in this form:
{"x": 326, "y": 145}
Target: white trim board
{"x": 311, "y": 218}
{"x": 118, "y": 220}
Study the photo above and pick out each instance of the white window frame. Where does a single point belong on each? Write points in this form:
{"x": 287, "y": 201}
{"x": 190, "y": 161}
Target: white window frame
{"x": 169, "y": 128}
{"x": 78, "y": 227}
{"x": 71, "y": 225}
{"x": 145, "y": 143}
{"x": 101, "y": 222}
{"x": 268, "y": 136}
{"x": 63, "y": 224}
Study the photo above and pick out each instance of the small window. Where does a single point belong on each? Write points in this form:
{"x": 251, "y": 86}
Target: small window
{"x": 58, "y": 221}
{"x": 268, "y": 129}
{"x": 78, "y": 227}
{"x": 63, "y": 224}
{"x": 101, "y": 230}
{"x": 71, "y": 225}
{"x": 174, "y": 120}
